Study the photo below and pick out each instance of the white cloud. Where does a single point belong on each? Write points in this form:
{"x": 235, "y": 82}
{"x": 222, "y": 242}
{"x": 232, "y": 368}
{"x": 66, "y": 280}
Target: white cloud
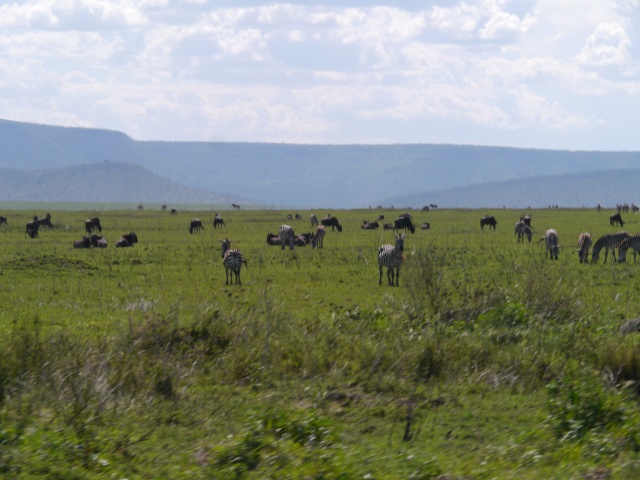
{"x": 608, "y": 45}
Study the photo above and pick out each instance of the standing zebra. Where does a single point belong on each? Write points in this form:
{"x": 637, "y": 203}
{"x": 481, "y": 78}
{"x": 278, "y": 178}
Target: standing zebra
{"x": 390, "y": 256}
{"x": 287, "y": 236}
{"x": 522, "y": 229}
{"x": 633, "y": 242}
{"x": 314, "y": 220}
{"x": 584, "y": 244}
{"x": 232, "y": 260}
{"x": 608, "y": 242}
{"x": 318, "y": 239}
{"x": 551, "y": 243}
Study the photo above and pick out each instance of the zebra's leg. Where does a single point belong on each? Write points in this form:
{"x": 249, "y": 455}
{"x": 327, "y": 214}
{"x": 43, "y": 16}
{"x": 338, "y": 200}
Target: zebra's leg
{"x": 380, "y": 281}
{"x": 390, "y": 275}
{"x": 397, "y": 277}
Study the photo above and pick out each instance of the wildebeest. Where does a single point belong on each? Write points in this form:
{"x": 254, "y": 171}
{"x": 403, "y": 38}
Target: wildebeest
{"x": 298, "y": 216}
{"x": 303, "y": 239}
{"x": 521, "y": 229}
{"x": 616, "y": 219}
{"x": 92, "y": 224}
{"x": 84, "y": 243}
{"x": 526, "y": 219}
{"x": 273, "y": 239}
{"x": 404, "y": 221}
{"x": 551, "y": 243}
{"x": 140, "y": 207}
{"x": 218, "y": 221}
{"x": 32, "y": 228}
{"x": 235, "y": 206}
{"x": 174, "y": 211}
{"x": 387, "y": 226}
{"x": 232, "y": 261}
{"x": 163, "y": 208}
{"x": 195, "y": 226}
{"x": 331, "y": 222}
{"x": 98, "y": 241}
{"x": 488, "y": 220}
{"x": 380, "y": 217}
{"x": 370, "y": 225}
{"x": 425, "y": 209}
{"x": 425, "y": 226}
{"x": 289, "y": 216}
{"x": 127, "y": 240}
{"x": 3, "y": 220}
{"x": 584, "y": 244}
{"x": 314, "y": 220}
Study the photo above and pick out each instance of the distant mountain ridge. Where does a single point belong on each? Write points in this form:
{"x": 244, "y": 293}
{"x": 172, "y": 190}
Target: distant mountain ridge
{"x": 102, "y": 182}
{"x": 307, "y": 176}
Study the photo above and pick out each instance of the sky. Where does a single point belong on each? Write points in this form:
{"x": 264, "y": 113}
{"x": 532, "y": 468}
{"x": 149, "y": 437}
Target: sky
{"x": 560, "y": 74}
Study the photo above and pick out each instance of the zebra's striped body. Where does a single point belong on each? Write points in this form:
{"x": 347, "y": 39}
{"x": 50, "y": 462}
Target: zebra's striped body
{"x": 584, "y": 244}
{"x": 318, "y": 239}
{"x": 629, "y": 242}
{"x": 390, "y": 256}
{"x": 522, "y": 229}
{"x": 232, "y": 261}
{"x": 287, "y": 236}
{"x": 608, "y": 242}
{"x": 314, "y": 220}
{"x": 551, "y": 242}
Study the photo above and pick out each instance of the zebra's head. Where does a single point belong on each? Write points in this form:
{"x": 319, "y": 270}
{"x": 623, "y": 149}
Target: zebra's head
{"x": 224, "y": 245}
{"x": 400, "y": 243}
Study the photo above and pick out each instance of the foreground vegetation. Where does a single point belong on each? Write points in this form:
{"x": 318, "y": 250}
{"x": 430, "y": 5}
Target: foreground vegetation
{"x": 487, "y": 362}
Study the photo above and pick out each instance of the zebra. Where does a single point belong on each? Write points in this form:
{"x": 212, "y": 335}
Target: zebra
{"x": 522, "y": 229}
{"x": 232, "y": 260}
{"x": 287, "y": 236}
{"x": 608, "y": 242}
{"x": 391, "y": 256}
{"x": 633, "y": 242}
{"x": 314, "y": 220}
{"x": 318, "y": 239}
{"x": 551, "y": 242}
{"x": 584, "y": 244}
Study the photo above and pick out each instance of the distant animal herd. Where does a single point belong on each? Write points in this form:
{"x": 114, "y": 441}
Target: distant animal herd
{"x": 389, "y": 256}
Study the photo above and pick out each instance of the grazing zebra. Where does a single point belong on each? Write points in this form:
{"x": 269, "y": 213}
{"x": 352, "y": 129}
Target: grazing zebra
{"x": 522, "y": 229}
{"x": 314, "y": 220}
{"x": 318, "y": 239}
{"x": 287, "y": 236}
{"x": 488, "y": 220}
{"x": 608, "y": 242}
{"x": 391, "y": 256}
{"x": 232, "y": 261}
{"x": 616, "y": 219}
{"x": 551, "y": 243}
{"x": 633, "y": 242}
{"x": 195, "y": 226}
{"x": 584, "y": 244}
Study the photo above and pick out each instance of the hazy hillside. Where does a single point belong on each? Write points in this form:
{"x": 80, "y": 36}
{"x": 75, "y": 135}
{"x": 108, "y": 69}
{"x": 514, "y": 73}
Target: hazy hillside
{"x": 607, "y": 188}
{"x": 101, "y": 182}
{"x": 333, "y": 176}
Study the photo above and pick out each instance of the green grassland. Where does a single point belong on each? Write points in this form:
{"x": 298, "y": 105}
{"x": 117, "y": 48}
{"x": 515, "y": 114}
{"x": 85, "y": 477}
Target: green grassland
{"x": 489, "y": 361}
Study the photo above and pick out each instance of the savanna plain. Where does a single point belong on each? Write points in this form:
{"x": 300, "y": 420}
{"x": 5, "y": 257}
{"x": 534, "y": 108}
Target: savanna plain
{"x": 488, "y": 361}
